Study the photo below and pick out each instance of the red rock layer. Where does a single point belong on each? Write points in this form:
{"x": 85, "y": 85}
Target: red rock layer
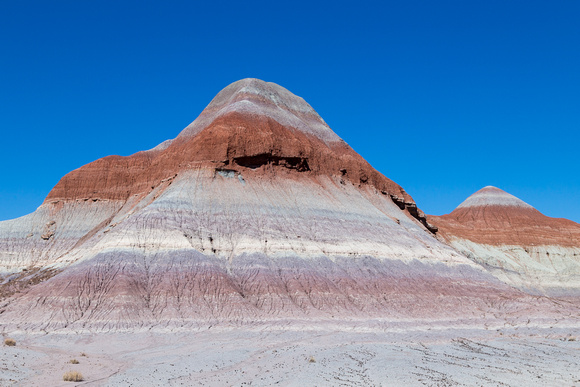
{"x": 507, "y": 225}
{"x": 237, "y": 140}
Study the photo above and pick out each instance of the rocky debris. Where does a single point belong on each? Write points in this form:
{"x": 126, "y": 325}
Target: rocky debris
{"x": 400, "y": 202}
{"x": 415, "y": 212}
{"x": 431, "y": 227}
{"x": 47, "y": 235}
{"x": 49, "y": 230}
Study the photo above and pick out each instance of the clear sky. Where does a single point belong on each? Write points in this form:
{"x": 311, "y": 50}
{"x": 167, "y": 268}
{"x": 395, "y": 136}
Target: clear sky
{"x": 443, "y": 97}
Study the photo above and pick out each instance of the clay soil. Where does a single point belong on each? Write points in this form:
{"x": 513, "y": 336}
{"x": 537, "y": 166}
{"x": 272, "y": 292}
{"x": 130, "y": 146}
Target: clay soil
{"x": 312, "y": 355}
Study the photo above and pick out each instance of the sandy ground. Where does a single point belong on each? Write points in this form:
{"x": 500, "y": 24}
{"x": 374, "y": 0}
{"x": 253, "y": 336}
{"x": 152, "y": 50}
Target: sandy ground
{"x": 298, "y": 357}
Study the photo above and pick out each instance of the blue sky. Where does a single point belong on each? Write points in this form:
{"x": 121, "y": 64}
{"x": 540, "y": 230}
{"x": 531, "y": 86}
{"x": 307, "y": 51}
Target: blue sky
{"x": 443, "y": 97}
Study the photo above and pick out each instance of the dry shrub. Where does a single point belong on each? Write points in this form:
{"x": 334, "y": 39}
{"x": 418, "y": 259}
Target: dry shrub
{"x": 10, "y": 342}
{"x": 84, "y": 354}
{"x": 73, "y": 361}
{"x": 312, "y": 359}
{"x": 72, "y": 376}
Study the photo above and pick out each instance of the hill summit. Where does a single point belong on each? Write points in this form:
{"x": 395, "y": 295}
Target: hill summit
{"x": 493, "y": 197}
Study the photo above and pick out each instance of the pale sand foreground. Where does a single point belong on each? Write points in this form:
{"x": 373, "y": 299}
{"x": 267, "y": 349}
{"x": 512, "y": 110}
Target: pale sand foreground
{"x": 263, "y": 357}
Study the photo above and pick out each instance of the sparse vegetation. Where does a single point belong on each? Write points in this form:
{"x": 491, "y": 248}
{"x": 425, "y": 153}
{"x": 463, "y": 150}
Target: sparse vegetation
{"x": 84, "y": 354}
{"x": 572, "y": 338}
{"x": 10, "y": 342}
{"x": 72, "y": 376}
{"x": 73, "y": 361}
{"x": 312, "y": 359}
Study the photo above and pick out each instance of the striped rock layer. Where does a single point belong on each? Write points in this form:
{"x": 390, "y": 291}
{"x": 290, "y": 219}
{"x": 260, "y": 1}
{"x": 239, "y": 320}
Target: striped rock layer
{"x": 516, "y": 242}
{"x": 256, "y": 212}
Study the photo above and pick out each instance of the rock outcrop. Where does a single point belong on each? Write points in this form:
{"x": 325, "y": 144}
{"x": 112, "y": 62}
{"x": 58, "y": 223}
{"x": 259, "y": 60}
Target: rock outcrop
{"x": 257, "y": 211}
{"x": 516, "y": 242}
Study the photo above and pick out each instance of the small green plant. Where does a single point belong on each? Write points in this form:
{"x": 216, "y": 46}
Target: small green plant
{"x": 73, "y": 361}
{"x": 10, "y": 342}
{"x": 72, "y": 376}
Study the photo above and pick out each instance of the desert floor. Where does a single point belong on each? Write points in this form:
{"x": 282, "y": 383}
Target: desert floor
{"x": 302, "y": 356}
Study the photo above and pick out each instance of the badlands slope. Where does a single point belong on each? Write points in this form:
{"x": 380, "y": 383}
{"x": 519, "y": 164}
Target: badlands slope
{"x": 253, "y": 242}
{"x": 516, "y": 243}
{"x": 257, "y": 211}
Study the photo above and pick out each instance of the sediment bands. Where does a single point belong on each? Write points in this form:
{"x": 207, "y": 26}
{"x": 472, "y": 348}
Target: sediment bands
{"x": 239, "y": 141}
{"x": 497, "y": 225}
